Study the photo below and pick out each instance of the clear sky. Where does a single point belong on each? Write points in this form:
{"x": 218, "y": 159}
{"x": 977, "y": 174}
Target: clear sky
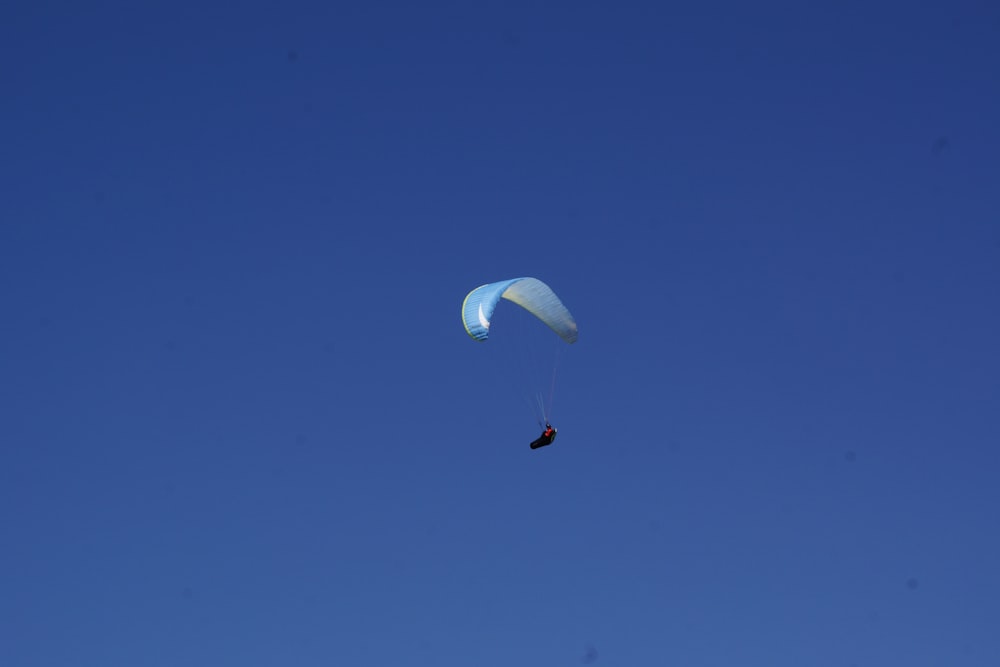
{"x": 241, "y": 422}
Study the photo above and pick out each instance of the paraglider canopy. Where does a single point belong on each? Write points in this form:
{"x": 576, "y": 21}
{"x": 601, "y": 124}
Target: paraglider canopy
{"x": 530, "y": 293}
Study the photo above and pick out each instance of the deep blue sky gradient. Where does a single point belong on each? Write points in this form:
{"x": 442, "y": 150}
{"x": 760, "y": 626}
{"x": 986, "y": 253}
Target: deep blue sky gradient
{"x": 241, "y": 423}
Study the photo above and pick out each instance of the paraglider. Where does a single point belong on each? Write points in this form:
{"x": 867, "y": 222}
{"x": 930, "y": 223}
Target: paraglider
{"x": 539, "y": 300}
{"x": 546, "y": 438}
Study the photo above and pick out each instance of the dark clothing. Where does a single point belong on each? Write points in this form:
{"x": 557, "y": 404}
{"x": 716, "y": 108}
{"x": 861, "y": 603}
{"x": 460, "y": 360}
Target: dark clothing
{"x": 548, "y": 435}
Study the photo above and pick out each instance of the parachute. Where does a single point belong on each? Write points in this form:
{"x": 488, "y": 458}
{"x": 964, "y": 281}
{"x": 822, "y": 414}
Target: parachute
{"x": 530, "y": 293}
{"x": 531, "y": 376}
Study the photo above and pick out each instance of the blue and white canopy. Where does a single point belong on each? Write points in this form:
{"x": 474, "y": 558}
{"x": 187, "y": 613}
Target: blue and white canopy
{"x": 530, "y": 293}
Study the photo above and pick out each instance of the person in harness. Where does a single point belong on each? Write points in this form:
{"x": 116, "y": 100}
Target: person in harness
{"x": 548, "y": 435}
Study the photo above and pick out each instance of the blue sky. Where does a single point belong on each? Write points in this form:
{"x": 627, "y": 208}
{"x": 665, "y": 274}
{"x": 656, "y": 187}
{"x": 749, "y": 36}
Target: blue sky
{"x": 241, "y": 422}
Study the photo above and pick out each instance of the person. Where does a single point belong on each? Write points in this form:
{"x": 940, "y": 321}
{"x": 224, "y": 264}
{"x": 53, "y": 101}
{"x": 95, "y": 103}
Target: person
{"x": 548, "y": 435}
